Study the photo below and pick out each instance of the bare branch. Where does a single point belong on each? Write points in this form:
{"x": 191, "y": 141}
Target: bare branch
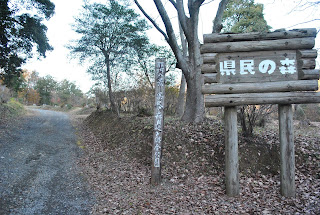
{"x": 207, "y": 2}
{"x": 174, "y": 3}
{"x": 152, "y": 21}
{"x": 304, "y": 22}
{"x": 182, "y": 15}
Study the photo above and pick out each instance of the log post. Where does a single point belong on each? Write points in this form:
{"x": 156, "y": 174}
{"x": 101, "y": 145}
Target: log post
{"x": 160, "y": 69}
{"x": 287, "y": 166}
{"x": 231, "y": 144}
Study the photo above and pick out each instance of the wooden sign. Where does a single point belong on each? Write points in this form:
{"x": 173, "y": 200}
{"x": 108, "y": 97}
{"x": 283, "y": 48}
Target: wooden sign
{"x": 252, "y": 67}
{"x": 260, "y": 68}
{"x": 160, "y": 69}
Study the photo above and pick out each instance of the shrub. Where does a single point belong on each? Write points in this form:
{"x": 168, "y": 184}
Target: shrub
{"x": 15, "y": 107}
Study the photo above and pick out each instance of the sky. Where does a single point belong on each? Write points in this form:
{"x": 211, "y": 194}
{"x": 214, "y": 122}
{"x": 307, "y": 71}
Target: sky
{"x": 278, "y": 13}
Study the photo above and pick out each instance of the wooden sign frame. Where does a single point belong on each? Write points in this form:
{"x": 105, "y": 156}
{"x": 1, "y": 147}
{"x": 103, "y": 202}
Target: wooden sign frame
{"x": 260, "y": 68}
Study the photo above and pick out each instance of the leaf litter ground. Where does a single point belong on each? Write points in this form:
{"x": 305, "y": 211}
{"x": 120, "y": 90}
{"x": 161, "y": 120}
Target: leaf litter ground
{"x": 118, "y": 166}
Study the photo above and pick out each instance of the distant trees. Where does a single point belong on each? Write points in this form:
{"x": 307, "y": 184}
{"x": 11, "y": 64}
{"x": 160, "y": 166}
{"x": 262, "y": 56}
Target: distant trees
{"x": 45, "y": 86}
{"x": 19, "y": 33}
{"x": 69, "y": 93}
{"x": 46, "y": 90}
{"x": 109, "y": 34}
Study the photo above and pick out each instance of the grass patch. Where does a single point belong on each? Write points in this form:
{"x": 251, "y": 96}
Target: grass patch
{"x": 11, "y": 109}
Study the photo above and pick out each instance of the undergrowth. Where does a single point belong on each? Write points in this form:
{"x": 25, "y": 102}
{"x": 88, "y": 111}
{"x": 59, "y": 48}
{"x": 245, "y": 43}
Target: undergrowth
{"x": 11, "y": 109}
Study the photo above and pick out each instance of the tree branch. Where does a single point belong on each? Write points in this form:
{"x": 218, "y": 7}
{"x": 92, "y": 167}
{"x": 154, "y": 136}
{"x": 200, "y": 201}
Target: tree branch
{"x": 182, "y": 15}
{"x": 174, "y": 4}
{"x": 169, "y": 36}
{"x": 170, "y": 32}
{"x": 304, "y": 22}
{"x": 152, "y": 21}
{"x": 217, "y": 23}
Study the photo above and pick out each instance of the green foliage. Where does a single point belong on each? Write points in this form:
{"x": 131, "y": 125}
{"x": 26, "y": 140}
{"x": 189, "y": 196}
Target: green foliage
{"x": 109, "y": 36}
{"x": 19, "y": 33}
{"x": 45, "y": 86}
{"x": 69, "y": 93}
{"x": 242, "y": 16}
{"x": 14, "y": 107}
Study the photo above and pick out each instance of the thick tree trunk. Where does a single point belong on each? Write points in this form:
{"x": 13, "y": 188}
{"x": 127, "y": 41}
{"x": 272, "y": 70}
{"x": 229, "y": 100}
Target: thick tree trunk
{"x": 111, "y": 97}
{"x": 194, "y": 111}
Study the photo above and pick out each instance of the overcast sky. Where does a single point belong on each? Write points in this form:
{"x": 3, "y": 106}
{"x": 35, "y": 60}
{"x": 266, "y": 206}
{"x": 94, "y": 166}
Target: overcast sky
{"x": 58, "y": 64}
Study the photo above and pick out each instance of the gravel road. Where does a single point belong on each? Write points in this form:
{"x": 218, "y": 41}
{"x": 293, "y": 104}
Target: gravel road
{"x": 38, "y": 170}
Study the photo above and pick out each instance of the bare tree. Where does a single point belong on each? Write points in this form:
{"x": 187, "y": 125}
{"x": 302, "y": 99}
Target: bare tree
{"x": 191, "y": 64}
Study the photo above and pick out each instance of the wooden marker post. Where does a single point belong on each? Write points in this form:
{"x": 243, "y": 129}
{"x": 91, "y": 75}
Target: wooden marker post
{"x": 287, "y": 166}
{"x": 160, "y": 69}
{"x": 231, "y": 144}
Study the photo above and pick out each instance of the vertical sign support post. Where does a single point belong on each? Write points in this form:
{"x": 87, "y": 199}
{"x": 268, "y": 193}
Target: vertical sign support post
{"x": 160, "y": 69}
{"x": 231, "y": 145}
{"x": 287, "y": 166}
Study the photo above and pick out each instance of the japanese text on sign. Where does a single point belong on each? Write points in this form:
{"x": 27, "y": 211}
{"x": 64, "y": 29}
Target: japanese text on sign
{"x": 159, "y": 106}
{"x": 228, "y": 67}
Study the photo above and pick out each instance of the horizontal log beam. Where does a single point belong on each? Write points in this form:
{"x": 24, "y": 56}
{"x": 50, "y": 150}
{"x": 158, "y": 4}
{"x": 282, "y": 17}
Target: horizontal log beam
{"x": 250, "y": 46}
{"x": 307, "y": 63}
{"x": 313, "y": 74}
{"x": 210, "y": 58}
{"x": 311, "y": 53}
{"x": 209, "y": 68}
{"x": 262, "y": 98}
{"x": 297, "y": 33}
{"x": 282, "y": 86}
{"x": 210, "y": 78}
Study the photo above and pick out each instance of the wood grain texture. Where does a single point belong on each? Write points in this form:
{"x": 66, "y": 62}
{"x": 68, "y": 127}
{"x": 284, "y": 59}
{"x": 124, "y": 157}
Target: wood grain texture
{"x": 309, "y": 74}
{"x": 307, "y": 63}
{"x": 210, "y": 78}
{"x": 267, "y": 87}
{"x": 311, "y": 53}
{"x": 231, "y": 148}
{"x": 230, "y": 37}
{"x": 287, "y": 160}
{"x": 209, "y": 68}
{"x": 160, "y": 68}
{"x": 262, "y": 98}
{"x": 210, "y": 58}
{"x": 264, "y": 45}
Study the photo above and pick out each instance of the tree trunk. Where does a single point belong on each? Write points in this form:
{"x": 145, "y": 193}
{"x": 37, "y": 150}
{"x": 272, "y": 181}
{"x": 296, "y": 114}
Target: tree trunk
{"x": 111, "y": 97}
{"x": 194, "y": 111}
{"x": 181, "y": 97}
{"x": 217, "y": 22}
{"x": 182, "y": 91}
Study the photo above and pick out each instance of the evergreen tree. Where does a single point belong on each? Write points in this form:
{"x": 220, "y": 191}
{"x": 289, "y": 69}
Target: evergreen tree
{"x": 243, "y": 16}
{"x": 19, "y": 33}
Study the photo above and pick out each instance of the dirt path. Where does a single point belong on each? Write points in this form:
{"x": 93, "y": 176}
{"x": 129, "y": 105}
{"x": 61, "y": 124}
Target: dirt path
{"x": 38, "y": 171}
